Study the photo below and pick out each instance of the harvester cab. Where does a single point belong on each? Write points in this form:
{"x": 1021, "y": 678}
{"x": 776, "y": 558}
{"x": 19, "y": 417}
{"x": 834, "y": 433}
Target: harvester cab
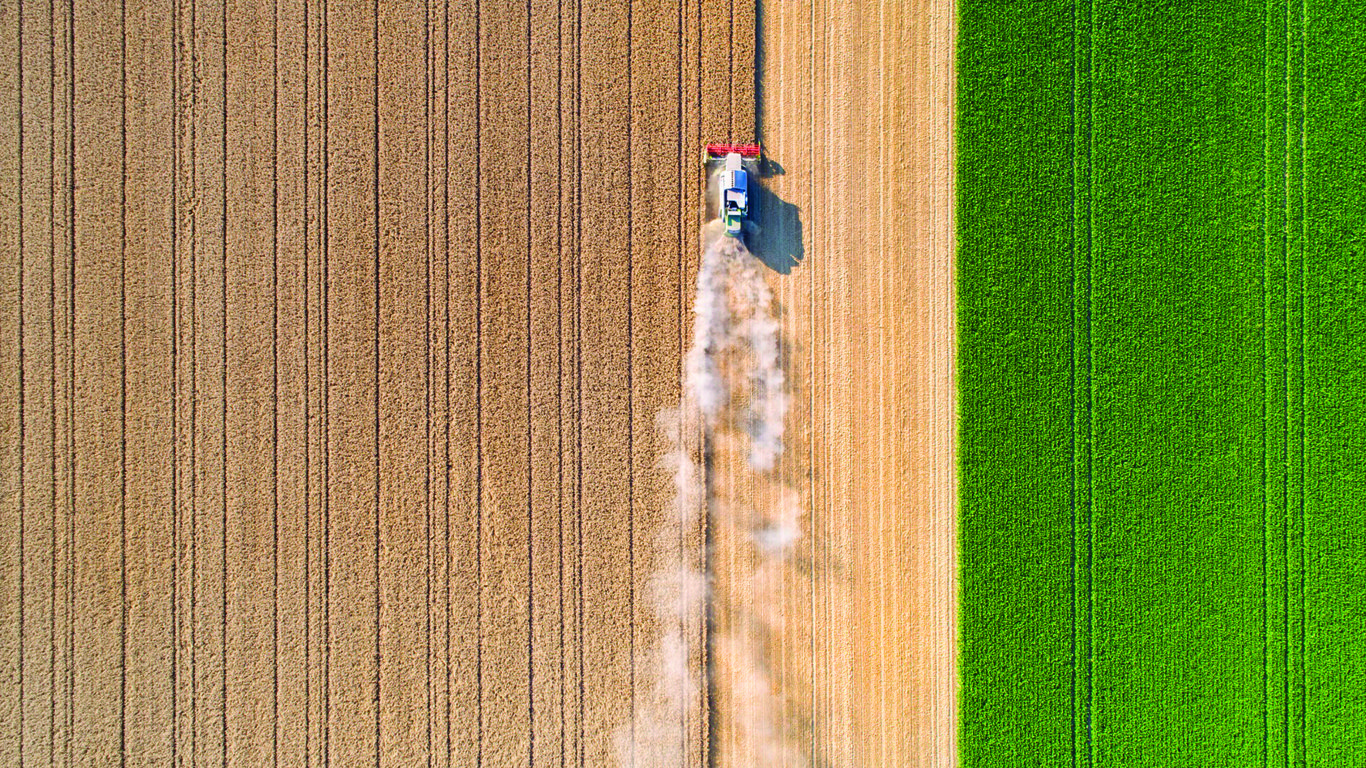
{"x": 733, "y": 186}
{"x": 734, "y": 194}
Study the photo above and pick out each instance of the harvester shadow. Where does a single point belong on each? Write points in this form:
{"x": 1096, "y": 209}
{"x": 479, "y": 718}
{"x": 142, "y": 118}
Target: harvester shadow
{"x": 777, "y": 237}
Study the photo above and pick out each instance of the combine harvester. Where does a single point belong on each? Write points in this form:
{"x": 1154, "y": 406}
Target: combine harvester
{"x": 731, "y": 194}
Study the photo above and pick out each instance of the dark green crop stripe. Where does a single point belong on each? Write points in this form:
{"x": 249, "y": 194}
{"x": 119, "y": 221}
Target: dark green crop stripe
{"x": 1162, "y": 383}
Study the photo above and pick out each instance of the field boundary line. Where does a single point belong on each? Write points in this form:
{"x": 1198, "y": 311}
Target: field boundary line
{"x": 1072, "y": 386}
{"x": 1304, "y": 247}
{"x": 1090, "y": 383}
{"x": 1286, "y": 422}
{"x": 1265, "y": 279}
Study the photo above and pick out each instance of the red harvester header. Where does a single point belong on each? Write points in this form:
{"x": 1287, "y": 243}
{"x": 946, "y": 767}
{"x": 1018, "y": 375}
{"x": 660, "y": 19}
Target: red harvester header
{"x": 744, "y": 150}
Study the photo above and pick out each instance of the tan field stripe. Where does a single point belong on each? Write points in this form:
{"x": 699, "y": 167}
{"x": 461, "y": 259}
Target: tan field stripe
{"x": 251, "y": 459}
{"x": 148, "y": 438}
{"x": 504, "y": 625}
{"x": 655, "y": 344}
{"x": 63, "y": 374}
{"x": 99, "y": 428}
{"x": 605, "y": 384}
{"x": 403, "y": 418}
{"x": 38, "y": 483}
{"x": 544, "y": 374}
{"x": 208, "y": 598}
{"x": 12, "y": 415}
{"x": 437, "y": 640}
{"x": 290, "y": 378}
{"x": 353, "y": 377}
{"x": 464, "y": 340}
{"x": 316, "y": 510}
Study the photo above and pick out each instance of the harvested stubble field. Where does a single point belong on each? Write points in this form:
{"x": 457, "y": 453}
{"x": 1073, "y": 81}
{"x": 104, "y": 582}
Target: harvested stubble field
{"x": 1161, "y": 359}
{"x": 333, "y": 338}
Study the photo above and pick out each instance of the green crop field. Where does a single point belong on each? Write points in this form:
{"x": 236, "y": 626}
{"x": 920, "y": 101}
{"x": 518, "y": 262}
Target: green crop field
{"x": 1162, "y": 317}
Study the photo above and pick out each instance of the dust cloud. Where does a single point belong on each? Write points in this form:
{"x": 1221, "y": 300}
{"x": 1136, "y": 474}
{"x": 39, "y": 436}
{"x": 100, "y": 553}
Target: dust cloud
{"x": 735, "y": 349}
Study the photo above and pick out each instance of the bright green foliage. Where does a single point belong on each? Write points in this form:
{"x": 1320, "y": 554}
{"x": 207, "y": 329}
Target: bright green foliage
{"x": 1162, "y": 367}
